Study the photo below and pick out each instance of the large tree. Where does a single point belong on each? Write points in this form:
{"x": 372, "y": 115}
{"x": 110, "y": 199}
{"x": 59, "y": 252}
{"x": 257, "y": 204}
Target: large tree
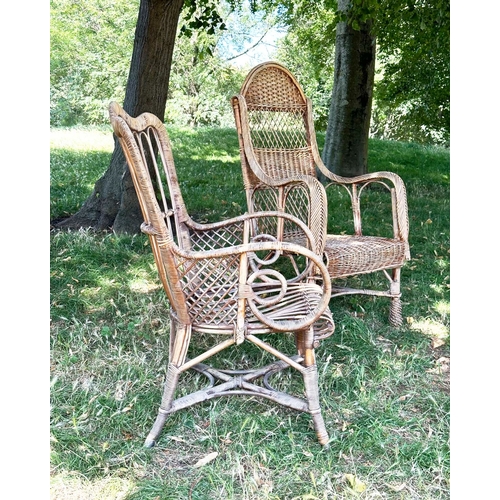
{"x": 113, "y": 202}
{"x": 346, "y": 143}
{"x": 350, "y": 25}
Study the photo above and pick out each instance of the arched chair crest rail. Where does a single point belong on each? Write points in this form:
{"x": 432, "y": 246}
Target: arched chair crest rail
{"x": 275, "y": 126}
{"x": 226, "y": 285}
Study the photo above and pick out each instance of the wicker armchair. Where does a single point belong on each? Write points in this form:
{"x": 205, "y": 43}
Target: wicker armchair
{"x": 226, "y": 283}
{"x": 277, "y": 144}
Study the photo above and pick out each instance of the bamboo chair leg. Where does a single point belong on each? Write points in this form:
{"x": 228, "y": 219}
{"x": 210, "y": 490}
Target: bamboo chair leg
{"x": 312, "y": 393}
{"x": 304, "y": 342}
{"x": 396, "y": 308}
{"x": 180, "y": 338}
{"x": 166, "y": 402}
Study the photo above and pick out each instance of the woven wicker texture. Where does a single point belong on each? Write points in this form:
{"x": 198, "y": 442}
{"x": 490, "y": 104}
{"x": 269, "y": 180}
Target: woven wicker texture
{"x": 227, "y": 282}
{"x": 278, "y": 151}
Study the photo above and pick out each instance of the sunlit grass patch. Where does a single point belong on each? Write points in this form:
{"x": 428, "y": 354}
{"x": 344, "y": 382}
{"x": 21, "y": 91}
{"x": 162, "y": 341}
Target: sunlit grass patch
{"x": 438, "y": 332}
{"x": 70, "y": 486}
{"x": 82, "y": 139}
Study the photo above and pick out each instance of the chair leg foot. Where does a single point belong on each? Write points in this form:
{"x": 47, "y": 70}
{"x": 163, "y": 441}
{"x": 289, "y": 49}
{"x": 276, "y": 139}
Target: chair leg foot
{"x": 322, "y": 435}
{"x": 156, "y": 430}
{"x": 149, "y": 443}
{"x": 320, "y": 428}
{"x": 396, "y": 312}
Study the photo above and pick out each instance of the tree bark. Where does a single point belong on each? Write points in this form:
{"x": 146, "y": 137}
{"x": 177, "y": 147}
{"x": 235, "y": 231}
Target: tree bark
{"x": 346, "y": 143}
{"x": 113, "y": 203}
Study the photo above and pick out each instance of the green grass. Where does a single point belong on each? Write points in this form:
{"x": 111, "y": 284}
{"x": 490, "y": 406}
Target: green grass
{"x": 384, "y": 391}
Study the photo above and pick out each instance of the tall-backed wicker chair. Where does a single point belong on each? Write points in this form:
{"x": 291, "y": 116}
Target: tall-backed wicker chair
{"x": 277, "y": 139}
{"x": 226, "y": 284}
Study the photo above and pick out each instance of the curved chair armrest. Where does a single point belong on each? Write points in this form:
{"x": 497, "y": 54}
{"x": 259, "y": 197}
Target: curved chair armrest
{"x": 392, "y": 182}
{"x": 246, "y": 291}
{"x": 235, "y": 224}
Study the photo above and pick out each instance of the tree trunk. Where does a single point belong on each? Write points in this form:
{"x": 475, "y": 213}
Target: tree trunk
{"x": 113, "y": 203}
{"x": 346, "y": 143}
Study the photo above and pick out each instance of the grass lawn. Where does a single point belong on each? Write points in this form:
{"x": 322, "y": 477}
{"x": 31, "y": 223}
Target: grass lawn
{"x": 384, "y": 391}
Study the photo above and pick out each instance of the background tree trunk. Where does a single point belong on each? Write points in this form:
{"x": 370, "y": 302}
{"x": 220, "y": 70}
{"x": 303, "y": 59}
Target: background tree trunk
{"x": 346, "y": 143}
{"x": 113, "y": 202}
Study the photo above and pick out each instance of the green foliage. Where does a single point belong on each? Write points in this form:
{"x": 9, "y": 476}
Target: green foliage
{"x": 413, "y": 95}
{"x": 201, "y": 84}
{"x": 412, "y": 92}
{"x": 91, "y": 47}
{"x": 384, "y": 391}
{"x": 204, "y": 15}
{"x": 308, "y": 52}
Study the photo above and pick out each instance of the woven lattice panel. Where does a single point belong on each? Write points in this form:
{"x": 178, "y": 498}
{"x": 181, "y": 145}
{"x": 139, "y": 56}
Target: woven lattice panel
{"x": 210, "y": 288}
{"x": 266, "y": 199}
{"x": 297, "y": 203}
{"x": 278, "y": 129}
{"x": 223, "y": 237}
{"x": 280, "y": 143}
{"x": 273, "y": 88}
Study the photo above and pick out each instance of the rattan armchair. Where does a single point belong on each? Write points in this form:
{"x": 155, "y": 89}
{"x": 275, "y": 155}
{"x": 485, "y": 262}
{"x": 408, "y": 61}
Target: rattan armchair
{"x": 277, "y": 139}
{"x": 227, "y": 283}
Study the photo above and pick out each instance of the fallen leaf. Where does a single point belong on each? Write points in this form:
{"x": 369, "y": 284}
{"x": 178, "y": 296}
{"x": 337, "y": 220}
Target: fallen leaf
{"x": 178, "y": 439}
{"x": 205, "y": 460}
{"x": 397, "y": 487}
{"x": 345, "y": 425}
{"x": 442, "y": 366}
{"x": 437, "y": 342}
{"x": 357, "y": 485}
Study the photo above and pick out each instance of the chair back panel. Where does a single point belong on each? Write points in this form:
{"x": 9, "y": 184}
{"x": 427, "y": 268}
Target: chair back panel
{"x": 202, "y": 292}
{"x": 147, "y": 150}
{"x": 276, "y": 112}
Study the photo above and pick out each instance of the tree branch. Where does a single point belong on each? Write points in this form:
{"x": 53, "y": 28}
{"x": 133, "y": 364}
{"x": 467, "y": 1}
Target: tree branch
{"x": 250, "y": 48}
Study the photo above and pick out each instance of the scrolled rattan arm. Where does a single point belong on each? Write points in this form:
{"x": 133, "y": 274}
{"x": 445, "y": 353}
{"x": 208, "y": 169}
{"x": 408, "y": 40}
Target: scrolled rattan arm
{"x": 271, "y": 246}
{"x": 398, "y": 189}
{"x": 310, "y": 317}
{"x": 394, "y": 185}
{"x": 240, "y": 220}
